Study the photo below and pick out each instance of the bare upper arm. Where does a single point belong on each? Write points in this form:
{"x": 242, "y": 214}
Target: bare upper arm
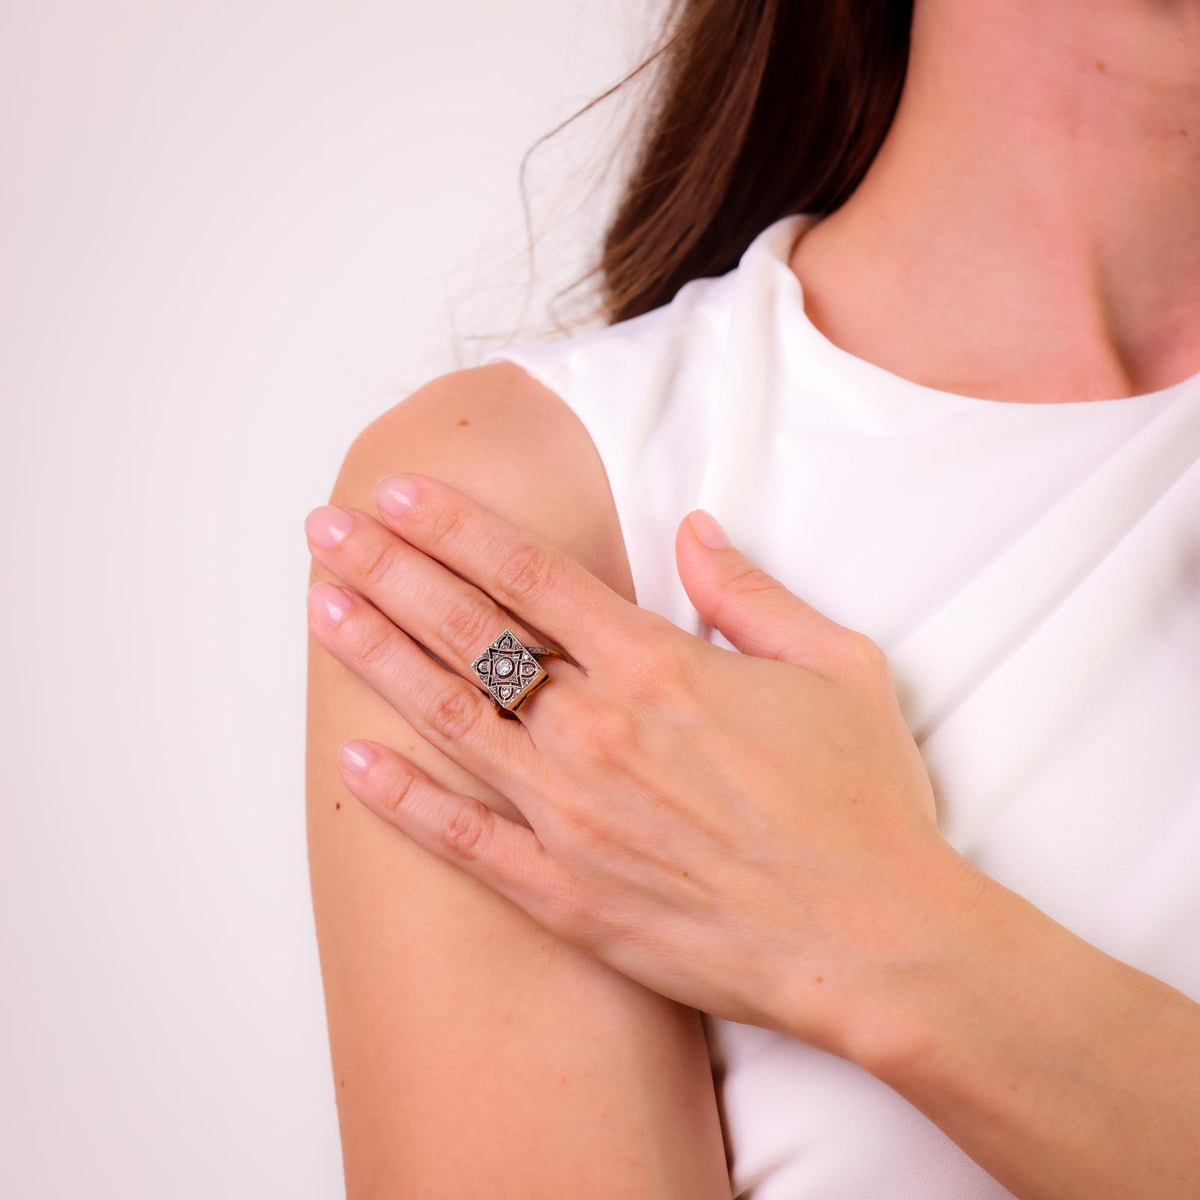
{"x": 474, "y": 1053}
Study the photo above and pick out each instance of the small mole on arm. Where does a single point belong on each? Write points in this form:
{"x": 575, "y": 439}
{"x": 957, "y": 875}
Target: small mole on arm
{"x": 462, "y": 421}
{"x": 820, "y": 978}
{"x": 343, "y": 1081}
{"x": 1183, "y": 133}
{"x": 1100, "y": 64}
{"x": 338, "y": 806}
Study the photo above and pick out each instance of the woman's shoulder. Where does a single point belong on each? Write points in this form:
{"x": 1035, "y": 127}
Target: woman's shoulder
{"x": 432, "y": 979}
{"x": 610, "y": 375}
{"x": 676, "y": 354}
{"x": 512, "y": 443}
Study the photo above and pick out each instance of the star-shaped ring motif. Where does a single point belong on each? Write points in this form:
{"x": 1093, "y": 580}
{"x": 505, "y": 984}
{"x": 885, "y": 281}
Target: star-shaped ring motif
{"x": 511, "y": 672}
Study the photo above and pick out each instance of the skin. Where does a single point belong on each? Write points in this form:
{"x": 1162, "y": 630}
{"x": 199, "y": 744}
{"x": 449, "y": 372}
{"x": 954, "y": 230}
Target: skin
{"x": 1029, "y": 230}
{"x": 738, "y": 831}
{"x": 1039, "y": 182}
{"x": 475, "y": 1053}
{"x": 806, "y": 888}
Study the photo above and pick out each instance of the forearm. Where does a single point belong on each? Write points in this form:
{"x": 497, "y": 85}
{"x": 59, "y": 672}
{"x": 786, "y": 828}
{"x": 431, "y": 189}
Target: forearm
{"x": 1062, "y": 1071}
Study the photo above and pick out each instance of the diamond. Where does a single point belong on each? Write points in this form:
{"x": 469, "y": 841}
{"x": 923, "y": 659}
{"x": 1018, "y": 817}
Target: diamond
{"x": 508, "y": 670}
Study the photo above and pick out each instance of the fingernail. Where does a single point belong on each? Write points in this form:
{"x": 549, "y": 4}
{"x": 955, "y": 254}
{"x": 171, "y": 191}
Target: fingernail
{"x": 395, "y": 494}
{"x": 328, "y": 526}
{"x": 706, "y": 528}
{"x": 328, "y": 603}
{"x": 356, "y": 756}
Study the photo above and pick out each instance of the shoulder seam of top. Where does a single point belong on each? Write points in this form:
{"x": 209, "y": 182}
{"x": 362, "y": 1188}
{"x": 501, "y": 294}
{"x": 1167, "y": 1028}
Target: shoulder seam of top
{"x": 550, "y": 375}
{"x": 604, "y": 336}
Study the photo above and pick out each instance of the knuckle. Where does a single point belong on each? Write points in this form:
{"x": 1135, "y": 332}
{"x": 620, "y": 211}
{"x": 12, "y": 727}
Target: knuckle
{"x": 748, "y": 580}
{"x": 467, "y": 625}
{"x": 377, "y": 561}
{"x": 606, "y": 733}
{"x": 738, "y": 590}
{"x": 466, "y": 831}
{"x": 586, "y": 824}
{"x": 565, "y": 730}
{"x": 454, "y": 712}
{"x": 373, "y": 647}
{"x": 656, "y": 667}
{"x": 863, "y": 657}
{"x": 399, "y": 789}
{"x": 443, "y": 524}
{"x": 582, "y": 918}
{"x": 526, "y": 572}
{"x": 580, "y": 826}
{"x": 561, "y": 903}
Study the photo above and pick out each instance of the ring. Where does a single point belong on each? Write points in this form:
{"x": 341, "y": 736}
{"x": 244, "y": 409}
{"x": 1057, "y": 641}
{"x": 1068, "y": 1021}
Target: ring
{"x": 511, "y": 672}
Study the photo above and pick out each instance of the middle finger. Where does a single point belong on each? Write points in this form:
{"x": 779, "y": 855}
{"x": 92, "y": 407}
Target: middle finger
{"x": 449, "y": 616}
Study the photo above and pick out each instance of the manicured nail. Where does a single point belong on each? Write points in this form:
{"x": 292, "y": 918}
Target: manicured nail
{"x": 394, "y": 494}
{"x": 328, "y": 603}
{"x": 356, "y": 756}
{"x": 706, "y": 528}
{"x": 328, "y": 526}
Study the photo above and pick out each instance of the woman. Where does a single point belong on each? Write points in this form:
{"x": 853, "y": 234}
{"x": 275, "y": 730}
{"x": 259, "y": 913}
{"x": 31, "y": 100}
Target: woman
{"x": 858, "y": 858}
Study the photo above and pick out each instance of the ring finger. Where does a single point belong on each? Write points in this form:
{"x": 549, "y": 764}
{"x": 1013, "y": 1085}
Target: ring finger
{"x": 452, "y": 618}
{"x": 443, "y": 709}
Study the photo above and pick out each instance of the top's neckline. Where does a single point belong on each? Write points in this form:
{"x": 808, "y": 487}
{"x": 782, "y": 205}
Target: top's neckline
{"x": 773, "y": 246}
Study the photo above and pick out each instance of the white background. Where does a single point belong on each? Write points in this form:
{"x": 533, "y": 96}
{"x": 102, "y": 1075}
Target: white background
{"x": 231, "y": 233}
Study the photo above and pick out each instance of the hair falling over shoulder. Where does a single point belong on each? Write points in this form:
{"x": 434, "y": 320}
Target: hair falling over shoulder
{"x": 756, "y": 109}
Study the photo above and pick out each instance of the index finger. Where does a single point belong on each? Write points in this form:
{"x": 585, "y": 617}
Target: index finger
{"x": 535, "y": 580}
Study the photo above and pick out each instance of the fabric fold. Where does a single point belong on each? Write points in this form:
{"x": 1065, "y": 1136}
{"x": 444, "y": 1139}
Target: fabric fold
{"x": 1032, "y": 572}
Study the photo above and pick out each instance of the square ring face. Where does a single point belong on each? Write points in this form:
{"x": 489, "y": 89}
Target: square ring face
{"x": 508, "y": 671}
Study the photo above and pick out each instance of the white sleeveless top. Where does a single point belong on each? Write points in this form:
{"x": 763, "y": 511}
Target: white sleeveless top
{"x": 1033, "y": 573}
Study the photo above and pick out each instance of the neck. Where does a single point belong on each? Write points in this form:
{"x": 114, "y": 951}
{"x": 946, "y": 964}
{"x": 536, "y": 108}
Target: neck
{"x": 1030, "y": 229}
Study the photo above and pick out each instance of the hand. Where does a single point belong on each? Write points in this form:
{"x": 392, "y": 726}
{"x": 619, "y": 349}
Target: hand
{"x": 752, "y": 834}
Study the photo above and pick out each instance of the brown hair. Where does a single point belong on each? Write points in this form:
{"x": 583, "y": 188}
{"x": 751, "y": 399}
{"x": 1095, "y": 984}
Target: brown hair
{"x": 758, "y": 109}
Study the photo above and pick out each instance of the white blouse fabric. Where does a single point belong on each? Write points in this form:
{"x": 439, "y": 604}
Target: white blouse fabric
{"x": 1033, "y": 573}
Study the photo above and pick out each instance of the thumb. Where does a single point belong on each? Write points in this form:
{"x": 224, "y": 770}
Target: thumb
{"x": 754, "y": 611}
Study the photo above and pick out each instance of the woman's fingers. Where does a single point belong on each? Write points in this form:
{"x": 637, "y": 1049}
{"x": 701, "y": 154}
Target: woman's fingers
{"x": 434, "y": 606}
{"x": 506, "y": 856}
{"x": 527, "y": 574}
{"x": 442, "y": 611}
{"x": 448, "y": 712}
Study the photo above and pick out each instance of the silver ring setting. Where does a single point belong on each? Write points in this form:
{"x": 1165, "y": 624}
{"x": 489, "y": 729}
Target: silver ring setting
{"x": 510, "y": 671}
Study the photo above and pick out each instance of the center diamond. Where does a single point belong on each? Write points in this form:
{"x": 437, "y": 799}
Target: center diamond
{"x": 508, "y": 670}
